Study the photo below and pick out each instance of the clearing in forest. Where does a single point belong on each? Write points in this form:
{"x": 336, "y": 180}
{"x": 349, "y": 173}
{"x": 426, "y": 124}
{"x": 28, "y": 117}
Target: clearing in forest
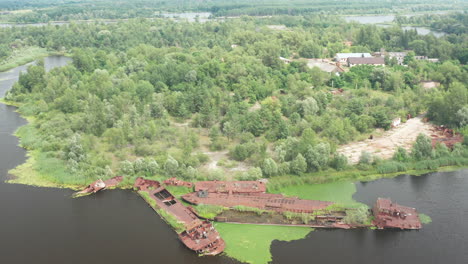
{"x": 385, "y": 145}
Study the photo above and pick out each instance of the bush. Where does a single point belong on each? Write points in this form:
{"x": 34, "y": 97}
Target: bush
{"x": 243, "y": 151}
{"x": 299, "y": 165}
{"x": 427, "y": 165}
{"x": 284, "y": 168}
{"x": 252, "y": 174}
{"x": 366, "y": 158}
{"x": 356, "y": 216}
{"x": 422, "y": 148}
{"x": 401, "y": 155}
{"x": 269, "y": 167}
{"x": 391, "y": 167}
{"x": 202, "y": 158}
{"x": 339, "y": 162}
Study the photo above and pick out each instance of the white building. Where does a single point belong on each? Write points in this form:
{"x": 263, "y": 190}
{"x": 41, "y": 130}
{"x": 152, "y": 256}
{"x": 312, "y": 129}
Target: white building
{"x": 343, "y": 57}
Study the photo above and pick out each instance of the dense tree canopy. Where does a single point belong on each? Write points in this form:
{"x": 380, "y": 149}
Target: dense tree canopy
{"x": 148, "y": 96}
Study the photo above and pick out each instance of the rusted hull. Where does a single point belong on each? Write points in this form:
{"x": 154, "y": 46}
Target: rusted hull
{"x": 175, "y": 182}
{"x": 199, "y": 236}
{"x": 264, "y": 201}
{"x": 392, "y": 215}
{"x": 231, "y": 186}
{"x": 101, "y": 185}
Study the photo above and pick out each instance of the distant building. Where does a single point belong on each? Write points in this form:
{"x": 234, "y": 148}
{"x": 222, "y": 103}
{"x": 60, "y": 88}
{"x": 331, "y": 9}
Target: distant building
{"x": 343, "y": 57}
{"x": 378, "y": 61}
{"x": 287, "y": 61}
{"x": 325, "y": 65}
{"x": 426, "y": 58}
{"x": 429, "y": 84}
{"x": 277, "y": 27}
{"x": 396, "y": 122}
{"x": 400, "y": 56}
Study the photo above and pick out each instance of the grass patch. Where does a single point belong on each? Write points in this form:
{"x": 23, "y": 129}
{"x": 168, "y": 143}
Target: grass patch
{"x": 242, "y": 208}
{"x": 353, "y": 174}
{"x": 209, "y": 211}
{"x": 425, "y": 219}
{"x": 36, "y": 171}
{"x": 22, "y": 56}
{"x": 251, "y": 243}
{"x": 339, "y": 192}
{"x": 178, "y": 191}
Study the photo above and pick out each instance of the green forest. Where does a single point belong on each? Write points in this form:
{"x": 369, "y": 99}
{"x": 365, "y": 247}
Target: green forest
{"x": 33, "y": 11}
{"x": 162, "y": 98}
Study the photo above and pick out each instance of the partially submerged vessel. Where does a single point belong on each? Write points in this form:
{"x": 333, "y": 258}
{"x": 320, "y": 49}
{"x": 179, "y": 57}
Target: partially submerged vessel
{"x": 231, "y": 186}
{"x": 198, "y": 235}
{"x": 392, "y": 215}
{"x": 101, "y": 185}
{"x": 264, "y": 201}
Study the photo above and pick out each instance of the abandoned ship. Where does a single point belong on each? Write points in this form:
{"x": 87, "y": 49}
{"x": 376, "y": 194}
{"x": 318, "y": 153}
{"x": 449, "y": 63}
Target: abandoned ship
{"x": 199, "y": 234}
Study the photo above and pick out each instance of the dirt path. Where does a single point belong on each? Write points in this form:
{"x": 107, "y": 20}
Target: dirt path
{"x": 384, "y": 146}
{"x": 216, "y": 156}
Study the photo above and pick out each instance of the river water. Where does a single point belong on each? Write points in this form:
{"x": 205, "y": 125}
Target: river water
{"x": 46, "y": 226}
{"x": 380, "y": 19}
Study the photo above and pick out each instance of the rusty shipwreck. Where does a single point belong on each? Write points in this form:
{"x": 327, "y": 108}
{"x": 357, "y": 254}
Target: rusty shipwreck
{"x": 198, "y": 235}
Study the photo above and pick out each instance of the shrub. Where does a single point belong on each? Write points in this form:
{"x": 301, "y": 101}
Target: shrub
{"x": 427, "y": 165}
{"x": 171, "y": 166}
{"x": 299, "y": 165}
{"x": 366, "y": 158}
{"x": 252, "y": 174}
{"x": 401, "y": 155}
{"x": 391, "y": 167}
{"x": 422, "y": 148}
{"x": 339, "y": 162}
{"x": 284, "y": 168}
{"x": 269, "y": 167}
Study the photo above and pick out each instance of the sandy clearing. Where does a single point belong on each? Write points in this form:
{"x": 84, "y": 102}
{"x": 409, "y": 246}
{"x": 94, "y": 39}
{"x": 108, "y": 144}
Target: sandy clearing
{"x": 384, "y": 146}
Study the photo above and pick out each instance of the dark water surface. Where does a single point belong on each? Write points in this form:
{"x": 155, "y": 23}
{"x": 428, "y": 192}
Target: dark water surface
{"x": 443, "y": 196}
{"x": 46, "y": 226}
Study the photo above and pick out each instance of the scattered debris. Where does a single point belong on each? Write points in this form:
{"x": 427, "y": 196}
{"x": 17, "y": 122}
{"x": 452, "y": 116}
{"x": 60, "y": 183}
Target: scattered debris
{"x": 175, "y": 182}
{"x": 445, "y": 136}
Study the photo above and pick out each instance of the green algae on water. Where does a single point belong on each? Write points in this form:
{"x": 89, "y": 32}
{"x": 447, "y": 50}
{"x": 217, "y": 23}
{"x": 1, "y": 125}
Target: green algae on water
{"x": 251, "y": 243}
{"x": 425, "y": 219}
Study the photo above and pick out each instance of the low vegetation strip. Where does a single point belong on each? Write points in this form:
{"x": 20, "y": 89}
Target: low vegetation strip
{"x": 22, "y": 56}
{"x": 339, "y": 192}
{"x": 251, "y": 243}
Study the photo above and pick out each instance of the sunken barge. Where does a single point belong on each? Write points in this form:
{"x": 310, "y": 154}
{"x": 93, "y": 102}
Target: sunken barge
{"x": 198, "y": 235}
{"x": 392, "y": 215}
{"x": 253, "y": 194}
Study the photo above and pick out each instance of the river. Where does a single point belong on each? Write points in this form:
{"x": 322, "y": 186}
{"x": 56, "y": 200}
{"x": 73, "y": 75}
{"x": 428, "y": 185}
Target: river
{"x": 383, "y": 20}
{"x": 47, "y": 226}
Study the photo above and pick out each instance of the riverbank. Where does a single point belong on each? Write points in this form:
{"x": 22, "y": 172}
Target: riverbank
{"x": 23, "y": 56}
{"x": 49, "y": 178}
